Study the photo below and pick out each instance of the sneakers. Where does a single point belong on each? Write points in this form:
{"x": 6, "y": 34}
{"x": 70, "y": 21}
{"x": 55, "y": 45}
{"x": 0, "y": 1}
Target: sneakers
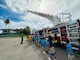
{"x": 49, "y": 58}
{"x": 55, "y": 59}
{"x": 44, "y": 53}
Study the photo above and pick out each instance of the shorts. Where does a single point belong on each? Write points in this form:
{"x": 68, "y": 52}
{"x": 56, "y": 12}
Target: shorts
{"x": 70, "y": 57}
{"x": 43, "y": 46}
{"x": 52, "y": 50}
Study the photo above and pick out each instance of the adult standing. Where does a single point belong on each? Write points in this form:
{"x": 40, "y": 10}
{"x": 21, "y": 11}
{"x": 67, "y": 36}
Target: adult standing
{"x": 21, "y": 38}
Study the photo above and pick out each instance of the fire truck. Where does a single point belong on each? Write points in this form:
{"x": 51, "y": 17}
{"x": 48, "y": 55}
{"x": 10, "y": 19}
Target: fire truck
{"x": 62, "y": 30}
{"x": 58, "y": 32}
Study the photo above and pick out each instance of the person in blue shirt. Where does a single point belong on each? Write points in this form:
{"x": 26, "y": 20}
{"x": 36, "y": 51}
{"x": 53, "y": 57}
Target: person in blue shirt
{"x": 43, "y": 45}
{"x": 35, "y": 38}
{"x": 69, "y": 50}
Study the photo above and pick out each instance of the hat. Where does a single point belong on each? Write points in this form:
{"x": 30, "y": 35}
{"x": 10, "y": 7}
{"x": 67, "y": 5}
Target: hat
{"x": 50, "y": 32}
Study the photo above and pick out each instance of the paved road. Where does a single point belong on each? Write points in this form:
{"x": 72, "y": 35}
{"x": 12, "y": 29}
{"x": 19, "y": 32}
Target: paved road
{"x": 11, "y": 49}
{"x": 62, "y": 55}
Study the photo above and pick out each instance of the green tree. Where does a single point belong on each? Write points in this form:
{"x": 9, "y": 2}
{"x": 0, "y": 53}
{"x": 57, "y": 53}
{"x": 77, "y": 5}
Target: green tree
{"x": 21, "y": 30}
{"x": 7, "y": 21}
{"x": 27, "y": 30}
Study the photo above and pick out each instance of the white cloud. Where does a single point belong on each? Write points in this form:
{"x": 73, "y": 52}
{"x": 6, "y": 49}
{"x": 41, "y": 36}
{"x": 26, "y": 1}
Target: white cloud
{"x": 46, "y": 6}
{"x": 35, "y": 21}
{"x": 73, "y": 8}
{"x": 3, "y": 6}
{"x": 17, "y": 6}
{"x": 2, "y": 25}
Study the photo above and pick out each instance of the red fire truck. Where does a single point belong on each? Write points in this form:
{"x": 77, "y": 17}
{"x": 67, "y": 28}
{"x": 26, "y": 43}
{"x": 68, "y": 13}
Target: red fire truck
{"x": 62, "y": 32}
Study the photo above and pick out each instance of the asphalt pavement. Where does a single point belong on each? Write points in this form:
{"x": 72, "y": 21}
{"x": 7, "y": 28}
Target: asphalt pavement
{"x": 11, "y": 49}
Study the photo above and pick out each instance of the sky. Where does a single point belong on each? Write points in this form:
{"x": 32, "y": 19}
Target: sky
{"x": 16, "y": 12}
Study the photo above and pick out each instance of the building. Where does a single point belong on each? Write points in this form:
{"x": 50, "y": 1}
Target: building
{"x": 8, "y": 31}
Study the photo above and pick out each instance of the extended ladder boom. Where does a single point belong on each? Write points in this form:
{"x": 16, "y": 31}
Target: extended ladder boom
{"x": 55, "y": 19}
{"x": 42, "y": 15}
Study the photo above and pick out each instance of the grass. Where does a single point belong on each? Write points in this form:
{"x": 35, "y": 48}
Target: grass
{"x": 11, "y": 35}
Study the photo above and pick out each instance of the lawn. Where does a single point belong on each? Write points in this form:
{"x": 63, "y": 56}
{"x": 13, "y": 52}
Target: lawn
{"x": 11, "y": 35}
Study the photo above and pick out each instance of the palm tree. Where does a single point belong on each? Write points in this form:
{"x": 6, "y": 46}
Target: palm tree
{"x": 7, "y": 21}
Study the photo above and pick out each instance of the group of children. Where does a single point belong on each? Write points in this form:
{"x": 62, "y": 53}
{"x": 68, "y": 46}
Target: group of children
{"x": 46, "y": 45}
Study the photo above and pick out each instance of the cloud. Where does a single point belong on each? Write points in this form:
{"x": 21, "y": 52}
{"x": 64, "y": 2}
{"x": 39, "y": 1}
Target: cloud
{"x": 3, "y": 6}
{"x": 16, "y": 6}
{"x": 47, "y": 6}
{"x": 2, "y": 25}
{"x": 35, "y": 21}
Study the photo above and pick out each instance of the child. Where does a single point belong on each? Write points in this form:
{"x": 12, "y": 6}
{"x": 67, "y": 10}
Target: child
{"x": 30, "y": 38}
{"x": 35, "y": 38}
{"x": 70, "y": 52}
{"x": 43, "y": 44}
{"x": 47, "y": 47}
{"x": 52, "y": 49}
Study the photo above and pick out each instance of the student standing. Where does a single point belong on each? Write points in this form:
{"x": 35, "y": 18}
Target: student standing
{"x": 36, "y": 39}
{"x": 43, "y": 45}
{"x": 70, "y": 52}
{"x": 52, "y": 49}
{"x": 33, "y": 38}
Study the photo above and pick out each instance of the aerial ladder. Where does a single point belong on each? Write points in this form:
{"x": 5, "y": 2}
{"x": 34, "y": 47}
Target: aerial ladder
{"x": 56, "y": 19}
